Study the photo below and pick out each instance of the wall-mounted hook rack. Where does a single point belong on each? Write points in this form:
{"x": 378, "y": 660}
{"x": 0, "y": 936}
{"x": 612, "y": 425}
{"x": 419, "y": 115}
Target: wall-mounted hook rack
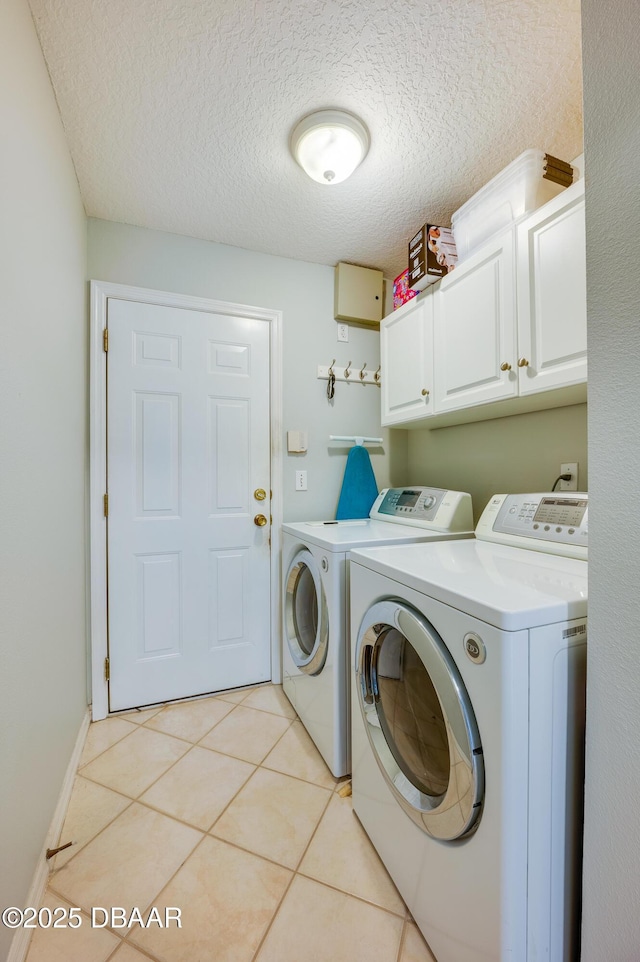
{"x": 340, "y": 374}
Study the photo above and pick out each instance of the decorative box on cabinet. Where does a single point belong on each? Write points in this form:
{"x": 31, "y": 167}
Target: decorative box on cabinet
{"x": 474, "y": 328}
{"x": 552, "y": 298}
{"x": 406, "y": 354}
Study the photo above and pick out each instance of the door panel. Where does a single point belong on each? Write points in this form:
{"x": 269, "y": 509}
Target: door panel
{"x": 188, "y": 442}
{"x": 406, "y": 351}
{"x": 158, "y": 594}
{"x": 552, "y": 294}
{"x": 228, "y": 595}
{"x": 474, "y": 329}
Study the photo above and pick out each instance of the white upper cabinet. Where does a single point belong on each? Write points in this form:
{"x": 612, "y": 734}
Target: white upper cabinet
{"x": 504, "y": 333}
{"x": 552, "y": 303}
{"x": 406, "y": 346}
{"x": 474, "y": 329}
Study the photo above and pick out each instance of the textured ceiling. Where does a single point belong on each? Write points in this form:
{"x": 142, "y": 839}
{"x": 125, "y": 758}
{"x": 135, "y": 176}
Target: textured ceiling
{"x": 178, "y": 112}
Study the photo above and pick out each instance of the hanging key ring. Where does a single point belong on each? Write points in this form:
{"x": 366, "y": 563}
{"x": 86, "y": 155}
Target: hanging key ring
{"x": 331, "y": 383}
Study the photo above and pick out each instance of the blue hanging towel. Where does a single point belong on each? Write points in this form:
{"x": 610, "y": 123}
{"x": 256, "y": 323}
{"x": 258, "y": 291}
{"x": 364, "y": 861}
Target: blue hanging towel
{"x": 359, "y": 488}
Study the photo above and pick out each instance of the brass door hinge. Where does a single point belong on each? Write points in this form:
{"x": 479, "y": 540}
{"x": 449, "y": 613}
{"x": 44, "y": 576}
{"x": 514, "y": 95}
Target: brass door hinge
{"x": 105, "y": 339}
{"x": 107, "y": 673}
{"x": 105, "y": 501}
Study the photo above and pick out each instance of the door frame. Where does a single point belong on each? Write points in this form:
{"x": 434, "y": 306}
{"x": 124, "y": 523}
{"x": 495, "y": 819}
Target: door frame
{"x": 97, "y": 555}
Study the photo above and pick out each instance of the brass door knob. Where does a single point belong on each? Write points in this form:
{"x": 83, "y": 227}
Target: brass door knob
{"x": 505, "y": 366}
{"x": 425, "y": 393}
{"x": 260, "y": 520}
{"x": 259, "y": 494}
{"x": 522, "y": 362}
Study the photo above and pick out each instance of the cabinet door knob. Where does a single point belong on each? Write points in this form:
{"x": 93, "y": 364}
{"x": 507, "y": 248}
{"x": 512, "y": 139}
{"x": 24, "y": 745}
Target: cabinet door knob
{"x": 260, "y": 520}
{"x": 425, "y": 393}
{"x": 505, "y": 366}
{"x": 522, "y": 362}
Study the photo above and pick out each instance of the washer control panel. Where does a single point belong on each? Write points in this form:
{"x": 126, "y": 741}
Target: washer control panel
{"x": 555, "y": 522}
{"x": 424, "y": 507}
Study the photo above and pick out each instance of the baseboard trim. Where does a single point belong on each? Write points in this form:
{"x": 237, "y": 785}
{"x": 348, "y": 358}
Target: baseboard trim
{"x": 20, "y": 944}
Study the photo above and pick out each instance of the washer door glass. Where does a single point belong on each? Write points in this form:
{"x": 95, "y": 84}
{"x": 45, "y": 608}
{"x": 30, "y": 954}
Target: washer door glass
{"x": 306, "y": 617}
{"x": 419, "y": 720}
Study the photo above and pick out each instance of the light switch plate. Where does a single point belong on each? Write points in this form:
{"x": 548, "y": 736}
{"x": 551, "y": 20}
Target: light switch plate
{"x": 296, "y": 442}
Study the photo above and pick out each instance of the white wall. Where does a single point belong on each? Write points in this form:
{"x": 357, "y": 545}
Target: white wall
{"x": 611, "y": 45}
{"x": 304, "y": 293}
{"x": 505, "y": 455}
{"x": 42, "y": 452}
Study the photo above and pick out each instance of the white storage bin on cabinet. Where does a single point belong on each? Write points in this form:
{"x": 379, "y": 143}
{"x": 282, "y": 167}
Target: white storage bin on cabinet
{"x": 516, "y": 190}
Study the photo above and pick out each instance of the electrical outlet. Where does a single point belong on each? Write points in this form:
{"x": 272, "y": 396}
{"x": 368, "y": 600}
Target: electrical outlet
{"x": 301, "y": 480}
{"x": 570, "y": 467}
{"x": 343, "y": 333}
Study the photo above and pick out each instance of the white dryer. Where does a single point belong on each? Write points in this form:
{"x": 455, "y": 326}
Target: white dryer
{"x": 315, "y": 651}
{"x": 468, "y": 705}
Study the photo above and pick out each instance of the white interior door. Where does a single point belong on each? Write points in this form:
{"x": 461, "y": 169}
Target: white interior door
{"x": 188, "y": 446}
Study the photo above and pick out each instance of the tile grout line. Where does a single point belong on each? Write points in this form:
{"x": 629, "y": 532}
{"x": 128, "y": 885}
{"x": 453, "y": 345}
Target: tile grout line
{"x": 207, "y": 833}
{"x": 143, "y": 952}
{"x": 143, "y": 912}
{"x": 144, "y": 724}
{"x": 229, "y": 755}
{"x": 353, "y": 895}
{"x": 197, "y": 745}
{"x": 137, "y": 797}
{"x": 99, "y": 832}
{"x": 197, "y": 828}
{"x": 297, "y": 870}
{"x": 99, "y": 755}
{"x": 146, "y": 804}
{"x": 86, "y": 914}
{"x": 156, "y": 898}
{"x": 403, "y": 938}
{"x": 294, "y": 874}
{"x": 204, "y": 834}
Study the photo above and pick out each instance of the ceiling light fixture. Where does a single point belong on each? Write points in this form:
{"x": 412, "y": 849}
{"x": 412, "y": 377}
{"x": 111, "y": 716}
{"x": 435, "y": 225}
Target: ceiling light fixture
{"x": 329, "y": 145}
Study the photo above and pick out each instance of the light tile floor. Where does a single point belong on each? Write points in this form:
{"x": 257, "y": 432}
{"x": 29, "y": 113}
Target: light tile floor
{"x": 223, "y": 808}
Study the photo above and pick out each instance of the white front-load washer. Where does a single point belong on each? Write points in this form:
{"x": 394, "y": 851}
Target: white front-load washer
{"x": 468, "y": 702}
{"x": 315, "y": 651}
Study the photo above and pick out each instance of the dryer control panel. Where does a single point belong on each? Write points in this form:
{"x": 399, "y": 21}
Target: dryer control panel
{"x": 434, "y": 508}
{"x": 555, "y": 522}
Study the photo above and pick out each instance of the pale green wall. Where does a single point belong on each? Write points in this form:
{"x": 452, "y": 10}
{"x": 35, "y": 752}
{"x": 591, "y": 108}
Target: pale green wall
{"x": 611, "y": 35}
{"x": 506, "y": 455}
{"x": 43, "y": 444}
{"x": 304, "y": 293}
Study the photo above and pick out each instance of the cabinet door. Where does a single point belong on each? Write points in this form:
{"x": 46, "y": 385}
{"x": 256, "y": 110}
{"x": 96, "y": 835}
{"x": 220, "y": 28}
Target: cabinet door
{"x": 406, "y": 353}
{"x": 552, "y": 301}
{"x": 474, "y": 329}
